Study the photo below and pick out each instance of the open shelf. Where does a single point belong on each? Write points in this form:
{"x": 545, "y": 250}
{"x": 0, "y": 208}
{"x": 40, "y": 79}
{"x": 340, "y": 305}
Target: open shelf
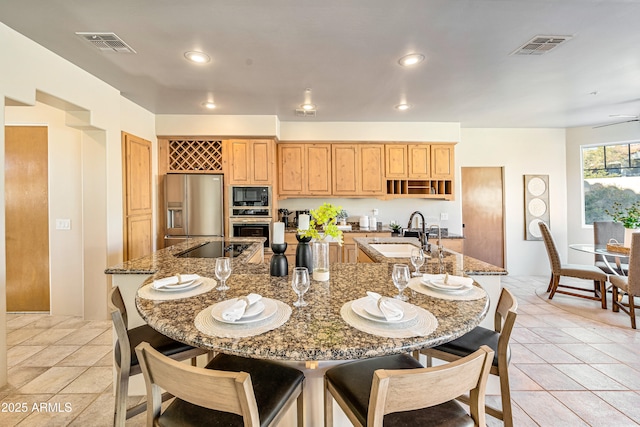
{"x": 437, "y": 189}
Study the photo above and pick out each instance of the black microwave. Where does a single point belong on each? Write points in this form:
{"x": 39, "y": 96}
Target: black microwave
{"x": 249, "y": 201}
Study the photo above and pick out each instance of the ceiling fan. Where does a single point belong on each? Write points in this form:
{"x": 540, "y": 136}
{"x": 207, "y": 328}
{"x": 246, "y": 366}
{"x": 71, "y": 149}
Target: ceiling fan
{"x": 623, "y": 118}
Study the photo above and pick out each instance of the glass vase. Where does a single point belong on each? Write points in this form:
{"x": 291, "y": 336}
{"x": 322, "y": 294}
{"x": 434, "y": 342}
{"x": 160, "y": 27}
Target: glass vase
{"x": 320, "y": 261}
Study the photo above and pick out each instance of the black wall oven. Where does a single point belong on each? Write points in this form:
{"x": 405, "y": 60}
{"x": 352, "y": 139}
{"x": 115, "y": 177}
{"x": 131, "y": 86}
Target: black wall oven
{"x": 245, "y": 228}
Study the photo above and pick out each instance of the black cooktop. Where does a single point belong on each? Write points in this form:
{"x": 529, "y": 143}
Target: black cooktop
{"x": 214, "y": 250}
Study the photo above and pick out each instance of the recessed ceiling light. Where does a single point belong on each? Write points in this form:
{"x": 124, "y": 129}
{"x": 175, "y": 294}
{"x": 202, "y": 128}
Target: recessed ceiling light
{"x": 209, "y": 104}
{"x": 411, "y": 59}
{"x": 308, "y": 107}
{"x": 403, "y": 107}
{"x": 197, "y": 57}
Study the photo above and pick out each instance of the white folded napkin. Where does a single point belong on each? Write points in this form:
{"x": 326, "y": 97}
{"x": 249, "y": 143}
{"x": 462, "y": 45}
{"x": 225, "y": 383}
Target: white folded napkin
{"x": 237, "y": 309}
{"x": 174, "y": 280}
{"x": 448, "y": 281}
{"x": 389, "y": 309}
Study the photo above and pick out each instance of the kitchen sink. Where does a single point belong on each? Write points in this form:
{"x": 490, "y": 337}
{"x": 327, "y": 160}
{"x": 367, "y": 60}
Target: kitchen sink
{"x": 394, "y": 250}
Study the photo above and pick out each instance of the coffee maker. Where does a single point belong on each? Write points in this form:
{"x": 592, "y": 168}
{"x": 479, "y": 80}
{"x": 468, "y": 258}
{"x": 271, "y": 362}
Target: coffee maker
{"x": 284, "y": 217}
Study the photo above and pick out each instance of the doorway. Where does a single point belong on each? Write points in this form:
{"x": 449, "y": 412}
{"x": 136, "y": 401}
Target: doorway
{"x": 483, "y": 213}
{"x": 27, "y": 218}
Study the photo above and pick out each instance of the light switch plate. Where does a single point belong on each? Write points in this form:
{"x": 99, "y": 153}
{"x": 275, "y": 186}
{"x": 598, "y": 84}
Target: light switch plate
{"x": 63, "y": 224}
{"x": 444, "y": 216}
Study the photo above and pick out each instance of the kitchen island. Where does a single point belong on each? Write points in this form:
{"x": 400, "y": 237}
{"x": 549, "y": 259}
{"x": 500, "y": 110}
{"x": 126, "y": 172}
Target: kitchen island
{"x": 312, "y": 338}
{"x": 485, "y": 274}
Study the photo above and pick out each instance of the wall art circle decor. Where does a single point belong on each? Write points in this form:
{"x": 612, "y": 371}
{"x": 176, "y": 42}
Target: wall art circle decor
{"x": 536, "y": 205}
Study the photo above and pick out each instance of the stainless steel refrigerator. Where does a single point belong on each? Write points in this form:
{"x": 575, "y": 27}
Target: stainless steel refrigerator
{"x": 193, "y": 206}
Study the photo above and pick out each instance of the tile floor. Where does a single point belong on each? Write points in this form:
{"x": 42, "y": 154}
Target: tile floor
{"x": 573, "y": 364}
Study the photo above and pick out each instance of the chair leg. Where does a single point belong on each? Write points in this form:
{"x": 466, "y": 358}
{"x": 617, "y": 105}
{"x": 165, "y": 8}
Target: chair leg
{"x": 505, "y": 395}
{"x": 603, "y": 294}
{"x": 632, "y": 310}
{"x": 122, "y": 390}
{"x": 614, "y": 300}
{"x": 300, "y": 409}
{"x": 555, "y": 281}
{"x": 550, "y": 283}
{"x": 328, "y": 406}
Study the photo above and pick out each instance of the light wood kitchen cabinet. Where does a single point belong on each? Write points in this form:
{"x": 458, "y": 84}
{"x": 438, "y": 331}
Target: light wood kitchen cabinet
{"x": 250, "y": 161}
{"x": 304, "y": 169}
{"x": 429, "y": 171}
{"x": 358, "y": 169}
{"x": 456, "y": 245}
{"x": 396, "y": 161}
{"x": 442, "y": 163}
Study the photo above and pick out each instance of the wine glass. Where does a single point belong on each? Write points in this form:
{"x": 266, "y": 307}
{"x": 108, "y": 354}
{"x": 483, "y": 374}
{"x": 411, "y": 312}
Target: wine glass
{"x": 300, "y": 284}
{"x": 223, "y": 271}
{"x": 417, "y": 259}
{"x": 400, "y": 277}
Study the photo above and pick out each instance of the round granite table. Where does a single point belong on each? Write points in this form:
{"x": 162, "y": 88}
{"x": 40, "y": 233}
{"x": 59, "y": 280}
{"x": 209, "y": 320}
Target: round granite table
{"x": 316, "y": 332}
{"x": 315, "y": 337}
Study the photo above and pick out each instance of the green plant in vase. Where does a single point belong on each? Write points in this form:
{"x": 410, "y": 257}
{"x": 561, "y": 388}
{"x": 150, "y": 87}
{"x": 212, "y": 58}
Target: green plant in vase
{"x": 395, "y": 228}
{"x": 321, "y": 226}
{"x": 629, "y": 217}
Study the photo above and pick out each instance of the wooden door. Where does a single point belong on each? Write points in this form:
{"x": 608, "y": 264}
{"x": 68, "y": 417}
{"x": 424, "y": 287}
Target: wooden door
{"x": 371, "y": 169}
{"x": 483, "y": 213}
{"x": 396, "y": 160}
{"x": 318, "y": 169}
{"x": 344, "y": 172}
{"x": 138, "y": 212}
{"x": 419, "y": 159}
{"x": 442, "y": 161}
{"x": 27, "y": 218}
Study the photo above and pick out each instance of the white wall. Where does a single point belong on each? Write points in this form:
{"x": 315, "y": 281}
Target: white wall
{"x": 522, "y": 152}
{"x": 65, "y": 201}
{"x": 576, "y": 138}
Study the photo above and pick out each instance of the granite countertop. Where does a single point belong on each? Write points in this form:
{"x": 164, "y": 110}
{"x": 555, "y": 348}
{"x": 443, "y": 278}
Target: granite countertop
{"x": 165, "y": 259}
{"x": 315, "y": 332}
{"x": 453, "y": 261}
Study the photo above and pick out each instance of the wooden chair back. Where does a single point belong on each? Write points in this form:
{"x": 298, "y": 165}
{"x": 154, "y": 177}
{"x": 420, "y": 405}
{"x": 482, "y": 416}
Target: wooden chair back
{"x": 633, "y": 279}
{"x": 120, "y": 325}
{"x": 505, "y": 317}
{"x": 410, "y": 389}
{"x": 217, "y": 390}
{"x": 552, "y": 251}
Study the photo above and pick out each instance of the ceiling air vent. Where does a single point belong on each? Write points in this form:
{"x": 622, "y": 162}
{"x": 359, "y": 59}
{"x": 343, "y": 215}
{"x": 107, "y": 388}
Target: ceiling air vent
{"x": 539, "y": 45}
{"x": 305, "y": 113}
{"x": 107, "y": 42}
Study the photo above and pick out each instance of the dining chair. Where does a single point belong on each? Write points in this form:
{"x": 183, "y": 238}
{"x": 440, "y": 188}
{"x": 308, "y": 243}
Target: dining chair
{"x": 229, "y": 391}
{"x": 496, "y": 339}
{"x": 629, "y": 285}
{"x": 578, "y": 271}
{"x": 126, "y": 360}
{"x": 603, "y": 231}
{"x": 398, "y": 391}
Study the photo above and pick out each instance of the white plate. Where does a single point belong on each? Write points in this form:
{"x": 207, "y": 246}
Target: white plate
{"x": 429, "y": 284}
{"x": 364, "y": 307}
{"x": 179, "y": 288}
{"x": 268, "y": 309}
{"x": 448, "y": 286}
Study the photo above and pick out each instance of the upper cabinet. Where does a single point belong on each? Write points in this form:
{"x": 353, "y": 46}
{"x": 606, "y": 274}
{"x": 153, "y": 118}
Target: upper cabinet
{"x": 358, "y": 170}
{"x": 304, "y": 169}
{"x": 250, "y": 161}
{"x": 420, "y": 170}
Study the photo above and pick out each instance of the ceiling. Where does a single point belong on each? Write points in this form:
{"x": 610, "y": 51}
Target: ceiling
{"x": 264, "y": 54}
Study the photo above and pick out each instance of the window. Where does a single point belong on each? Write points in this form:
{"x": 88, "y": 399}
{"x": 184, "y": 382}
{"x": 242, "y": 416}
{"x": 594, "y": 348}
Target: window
{"x": 611, "y": 173}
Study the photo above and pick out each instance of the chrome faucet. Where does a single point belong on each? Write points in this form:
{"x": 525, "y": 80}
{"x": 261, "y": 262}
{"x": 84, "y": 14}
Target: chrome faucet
{"x": 423, "y": 235}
